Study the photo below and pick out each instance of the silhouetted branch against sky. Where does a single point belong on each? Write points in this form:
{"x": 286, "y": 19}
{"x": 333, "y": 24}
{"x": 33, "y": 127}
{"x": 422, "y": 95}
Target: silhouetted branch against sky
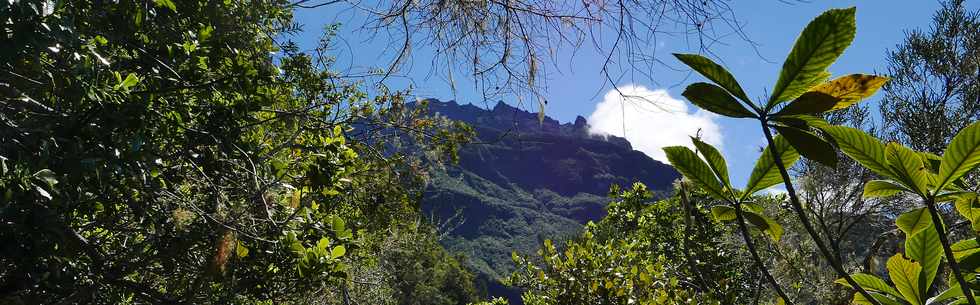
{"x": 510, "y": 48}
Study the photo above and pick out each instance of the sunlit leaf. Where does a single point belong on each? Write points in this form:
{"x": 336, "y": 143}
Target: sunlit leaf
{"x": 924, "y": 248}
{"x": 905, "y": 275}
{"x": 688, "y": 164}
{"x": 908, "y": 167}
{"x": 961, "y": 156}
{"x": 715, "y": 160}
{"x": 863, "y": 148}
{"x": 870, "y": 283}
{"x": 882, "y": 188}
{"x": 822, "y": 41}
{"x": 766, "y": 173}
{"x": 851, "y": 89}
{"x": 913, "y": 221}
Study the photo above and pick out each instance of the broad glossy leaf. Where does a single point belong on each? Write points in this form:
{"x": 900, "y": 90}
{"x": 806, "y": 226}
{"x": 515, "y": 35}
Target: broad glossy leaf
{"x": 715, "y": 73}
{"x": 870, "y": 283}
{"x": 905, "y": 275}
{"x": 964, "y": 248}
{"x": 810, "y": 145}
{"x": 851, "y": 89}
{"x": 715, "y": 99}
{"x": 924, "y": 248}
{"x": 822, "y": 41}
{"x": 882, "y": 188}
{"x": 969, "y": 262}
{"x": 688, "y": 164}
{"x": 715, "y": 160}
{"x": 961, "y": 156}
{"x": 765, "y": 173}
{"x": 863, "y": 148}
{"x": 810, "y": 103}
{"x": 908, "y": 167}
{"x": 338, "y": 251}
{"x": 802, "y": 121}
{"x": 913, "y": 221}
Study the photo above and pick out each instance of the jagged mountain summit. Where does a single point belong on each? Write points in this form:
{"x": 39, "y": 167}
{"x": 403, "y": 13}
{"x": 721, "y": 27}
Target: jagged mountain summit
{"x": 525, "y": 180}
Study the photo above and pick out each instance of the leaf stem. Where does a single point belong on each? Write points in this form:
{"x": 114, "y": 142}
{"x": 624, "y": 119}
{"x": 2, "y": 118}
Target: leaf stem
{"x": 755, "y": 255}
{"x": 937, "y": 222}
{"x": 805, "y": 221}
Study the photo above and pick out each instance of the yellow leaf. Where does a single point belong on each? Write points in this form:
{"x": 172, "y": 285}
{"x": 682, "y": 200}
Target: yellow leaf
{"x": 851, "y": 88}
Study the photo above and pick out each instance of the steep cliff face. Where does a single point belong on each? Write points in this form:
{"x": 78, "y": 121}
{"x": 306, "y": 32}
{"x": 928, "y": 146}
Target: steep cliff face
{"x": 527, "y": 180}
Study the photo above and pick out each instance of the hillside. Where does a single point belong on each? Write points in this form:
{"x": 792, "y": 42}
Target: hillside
{"x": 526, "y": 180}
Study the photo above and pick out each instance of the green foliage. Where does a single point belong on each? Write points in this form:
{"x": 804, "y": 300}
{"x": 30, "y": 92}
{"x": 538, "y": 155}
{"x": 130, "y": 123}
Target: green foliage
{"x": 822, "y": 41}
{"x": 636, "y": 255}
{"x": 186, "y": 152}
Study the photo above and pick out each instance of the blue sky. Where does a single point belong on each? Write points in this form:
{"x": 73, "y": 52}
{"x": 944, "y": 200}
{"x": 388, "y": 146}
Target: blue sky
{"x": 576, "y": 86}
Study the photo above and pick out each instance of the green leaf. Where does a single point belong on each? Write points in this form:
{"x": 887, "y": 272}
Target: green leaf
{"x": 822, "y": 41}
{"x": 870, "y": 283}
{"x": 908, "y": 168}
{"x": 166, "y": 3}
{"x": 764, "y": 223}
{"x": 688, "y": 164}
{"x": 861, "y": 147}
{"x": 882, "y": 299}
{"x": 715, "y": 99}
{"x": 961, "y": 156}
{"x": 810, "y": 103}
{"x": 952, "y": 292}
{"x": 241, "y": 250}
{"x": 969, "y": 207}
{"x": 882, "y": 188}
{"x": 905, "y": 275}
{"x": 765, "y": 173}
{"x": 130, "y": 81}
{"x": 810, "y": 145}
{"x": 715, "y": 73}
{"x": 851, "y": 89}
{"x": 913, "y": 221}
{"x": 715, "y": 160}
{"x": 723, "y": 213}
{"x": 338, "y": 251}
{"x": 924, "y": 248}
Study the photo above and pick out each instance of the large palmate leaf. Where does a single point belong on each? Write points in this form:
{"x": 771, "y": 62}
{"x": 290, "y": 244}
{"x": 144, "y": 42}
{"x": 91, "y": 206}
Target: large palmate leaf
{"x": 913, "y": 221}
{"x": 809, "y": 145}
{"x": 861, "y": 147}
{"x": 882, "y": 188}
{"x": 851, "y": 89}
{"x": 688, "y": 164}
{"x": 924, "y": 248}
{"x": 765, "y": 173}
{"x": 908, "y": 167}
{"x": 822, "y": 41}
{"x": 961, "y": 156}
{"x": 715, "y": 160}
{"x": 905, "y": 275}
{"x": 715, "y": 73}
{"x": 712, "y": 98}
{"x": 870, "y": 283}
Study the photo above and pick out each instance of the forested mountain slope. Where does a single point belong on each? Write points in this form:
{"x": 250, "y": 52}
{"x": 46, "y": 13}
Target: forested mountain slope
{"x": 525, "y": 180}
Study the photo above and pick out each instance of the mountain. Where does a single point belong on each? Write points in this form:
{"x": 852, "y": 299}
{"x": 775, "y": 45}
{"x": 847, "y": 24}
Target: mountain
{"x": 526, "y": 180}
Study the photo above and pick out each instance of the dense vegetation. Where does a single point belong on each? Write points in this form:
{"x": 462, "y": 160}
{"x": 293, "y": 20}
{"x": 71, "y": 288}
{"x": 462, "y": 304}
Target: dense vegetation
{"x": 188, "y": 152}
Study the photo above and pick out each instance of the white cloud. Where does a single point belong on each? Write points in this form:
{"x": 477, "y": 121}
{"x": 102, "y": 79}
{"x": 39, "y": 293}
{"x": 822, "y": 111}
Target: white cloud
{"x": 652, "y": 120}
